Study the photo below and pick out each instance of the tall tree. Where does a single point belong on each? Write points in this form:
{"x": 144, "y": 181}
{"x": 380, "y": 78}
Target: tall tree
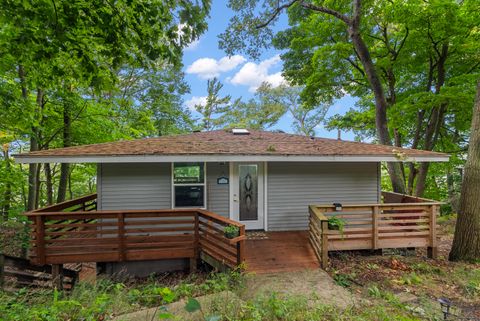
{"x": 466, "y": 242}
{"x": 260, "y": 112}
{"x": 54, "y": 44}
{"x": 348, "y": 13}
{"x": 411, "y": 64}
{"x": 7, "y": 178}
{"x": 213, "y": 110}
{"x": 306, "y": 118}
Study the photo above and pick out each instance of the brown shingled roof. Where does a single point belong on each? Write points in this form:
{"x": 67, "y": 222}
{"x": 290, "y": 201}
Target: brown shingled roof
{"x": 223, "y": 142}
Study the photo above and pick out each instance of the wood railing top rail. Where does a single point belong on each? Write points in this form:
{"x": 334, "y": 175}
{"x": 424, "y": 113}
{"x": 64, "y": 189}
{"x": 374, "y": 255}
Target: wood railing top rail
{"x": 314, "y": 210}
{"x": 218, "y": 218}
{"x": 102, "y": 213}
{"x": 377, "y": 204}
{"x": 64, "y": 205}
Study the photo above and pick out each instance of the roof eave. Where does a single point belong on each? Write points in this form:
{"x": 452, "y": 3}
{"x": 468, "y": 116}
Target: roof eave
{"x": 31, "y": 159}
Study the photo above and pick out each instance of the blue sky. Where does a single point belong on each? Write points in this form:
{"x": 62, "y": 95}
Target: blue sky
{"x": 239, "y": 74}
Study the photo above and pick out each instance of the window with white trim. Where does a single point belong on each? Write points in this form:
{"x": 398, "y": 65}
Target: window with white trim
{"x": 189, "y": 185}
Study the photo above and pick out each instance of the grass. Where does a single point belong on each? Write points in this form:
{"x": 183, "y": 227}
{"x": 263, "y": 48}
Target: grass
{"x": 277, "y": 307}
{"x": 106, "y": 299}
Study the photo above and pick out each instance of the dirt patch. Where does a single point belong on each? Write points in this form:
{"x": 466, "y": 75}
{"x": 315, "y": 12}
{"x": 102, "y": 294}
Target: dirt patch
{"x": 317, "y": 285}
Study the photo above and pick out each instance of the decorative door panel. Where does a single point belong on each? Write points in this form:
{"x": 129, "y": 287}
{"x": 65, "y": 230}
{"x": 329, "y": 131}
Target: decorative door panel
{"x": 248, "y": 198}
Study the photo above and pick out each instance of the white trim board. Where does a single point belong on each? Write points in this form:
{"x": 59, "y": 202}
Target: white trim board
{"x": 265, "y": 195}
{"x": 221, "y": 158}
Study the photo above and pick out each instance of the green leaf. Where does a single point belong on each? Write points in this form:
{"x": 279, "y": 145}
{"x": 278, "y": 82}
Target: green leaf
{"x": 165, "y": 315}
{"x": 192, "y": 305}
{"x": 168, "y": 295}
{"x": 213, "y": 318}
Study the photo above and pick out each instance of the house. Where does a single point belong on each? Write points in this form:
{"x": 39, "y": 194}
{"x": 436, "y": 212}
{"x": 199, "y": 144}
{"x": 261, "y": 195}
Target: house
{"x": 257, "y": 179}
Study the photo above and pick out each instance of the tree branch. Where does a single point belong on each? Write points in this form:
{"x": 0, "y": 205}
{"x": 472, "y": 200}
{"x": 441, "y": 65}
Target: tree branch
{"x": 275, "y": 14}
{"x": 402, "y": 43}
{"x": 356, "y": 66}
{"x": 61, "y": 128}
{"x": 329, "y": 11}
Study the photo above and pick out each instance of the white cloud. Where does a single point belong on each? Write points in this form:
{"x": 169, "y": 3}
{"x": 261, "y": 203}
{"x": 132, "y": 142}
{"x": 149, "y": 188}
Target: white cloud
{"x": 195, "y": 100}
{"x": 252, "y": 74}
{"x": 207, "y": 68}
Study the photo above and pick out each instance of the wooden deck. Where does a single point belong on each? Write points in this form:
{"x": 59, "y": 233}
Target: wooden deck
{"x": 75, "y": 232}
{"x": 279, "y": 252}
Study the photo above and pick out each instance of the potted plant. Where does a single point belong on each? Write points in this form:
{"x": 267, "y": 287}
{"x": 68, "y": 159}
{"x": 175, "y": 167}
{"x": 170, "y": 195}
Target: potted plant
{"x": 335, "y": 223}
{"x": 231, "y": 231}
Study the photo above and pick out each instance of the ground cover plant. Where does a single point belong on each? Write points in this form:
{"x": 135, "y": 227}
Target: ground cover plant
{"x": 104, "y": 299}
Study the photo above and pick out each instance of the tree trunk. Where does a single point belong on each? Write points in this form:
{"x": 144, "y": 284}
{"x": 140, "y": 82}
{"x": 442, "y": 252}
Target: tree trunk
{"x": 383, "y": 135}
{"x": 33, "y": 178}
{"x": 466, "y": 242}
{"x": 48, "y": 183}
{"x": 452, "y": 195}
{"x": 67, "y": 142}
{"x": 70, "y": 189}
{"x": 37, "y": 185}
{"x": 32, "y": 168}
{"x": 7, "y": 194}
{"x": 435, "y": 123}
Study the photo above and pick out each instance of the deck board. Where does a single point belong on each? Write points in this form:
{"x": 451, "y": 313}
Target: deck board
{"x": 280, "y": 252}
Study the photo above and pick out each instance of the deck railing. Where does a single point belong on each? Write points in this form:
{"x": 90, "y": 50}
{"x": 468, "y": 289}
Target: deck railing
{"x": 60, "y": 235}
{"x": 409, "y": 223}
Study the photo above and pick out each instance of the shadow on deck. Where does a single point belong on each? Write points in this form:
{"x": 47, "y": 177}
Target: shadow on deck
{"x": 271, "y": 252}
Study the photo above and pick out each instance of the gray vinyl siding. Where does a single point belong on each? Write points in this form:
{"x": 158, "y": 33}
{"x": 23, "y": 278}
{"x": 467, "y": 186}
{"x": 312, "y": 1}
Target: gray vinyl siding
{"x": 135, "y": 186}
{"x": 293, "y": 186}
{"x": 218, "y": 194}
{"x": 149, "y": 186}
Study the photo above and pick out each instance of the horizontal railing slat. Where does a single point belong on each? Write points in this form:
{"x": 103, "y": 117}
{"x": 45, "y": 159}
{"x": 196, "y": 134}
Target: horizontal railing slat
{"x": 72, "y": 233}
{"x": 402, "y": 221}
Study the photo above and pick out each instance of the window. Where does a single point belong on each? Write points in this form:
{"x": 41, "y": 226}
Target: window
{"x": 189, "y": 185}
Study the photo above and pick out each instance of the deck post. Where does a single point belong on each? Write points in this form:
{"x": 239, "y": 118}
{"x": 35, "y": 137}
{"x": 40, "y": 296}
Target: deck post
{"x": 241, "y": 246}
{"x": 40, "y": 238}
{"x": 194, "y": 259}
{"x": 57, "y": 276}
{"x": 432, "y": 250}
{"x": 324, "y": 262}
{"x": 375, "y": 212}
{"x": 121, "y": 237}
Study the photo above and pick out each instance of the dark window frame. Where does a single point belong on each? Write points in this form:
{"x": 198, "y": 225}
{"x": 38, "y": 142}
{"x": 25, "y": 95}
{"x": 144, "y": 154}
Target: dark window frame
{"x": 203, "y": 184}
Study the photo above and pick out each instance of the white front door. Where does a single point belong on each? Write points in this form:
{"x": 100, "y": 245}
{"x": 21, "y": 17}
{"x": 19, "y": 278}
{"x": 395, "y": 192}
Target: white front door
{"x": 247, "y": 195}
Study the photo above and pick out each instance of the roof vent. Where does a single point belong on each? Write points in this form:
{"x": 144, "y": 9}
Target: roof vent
{"x": 240, "y": 131}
